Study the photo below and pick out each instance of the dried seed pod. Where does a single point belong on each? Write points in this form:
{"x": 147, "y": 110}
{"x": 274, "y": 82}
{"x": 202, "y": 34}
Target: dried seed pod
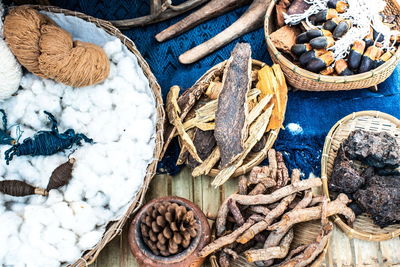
{"x": 328, "y": 71}
{"x": 356, "y": 54}
{"x": 320, "y": 63}
{"x": 342, "y": 28}
{"x": 342, "y": 68}
{"x": 384, "y": 58}
{"x": 314, "y": 33}
{"x": 302, "y": 38}
{"x": 369, "y": 39}
{"x": 340, "y": 6}
{"x": 308, "y": 56}
{"x": 330, "y": 25}
{"x": 369, "y": 58}
{"x": 324, "y": 15}
{"x": 378, "y": 37}
{"x": 61, "y": 175}
{"x": 322, "y": 42}
{"x": 19, "y": 189}
{"x": 300, "y": 49}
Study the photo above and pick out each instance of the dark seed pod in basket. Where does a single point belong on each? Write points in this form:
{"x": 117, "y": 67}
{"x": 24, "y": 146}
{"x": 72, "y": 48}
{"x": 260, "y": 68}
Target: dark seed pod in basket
{"x": 340, "y": 6}
{"x": 322, "y": 42}
{"x": 378, "y": 37}
{"x": 320, "y": 63}
{"x": 302, "y": 38}
{"x": 61, "y": 175}
{"x": 328, "y": 71}
{"x": 19, "y": 189}
{"x": 330, "y": 25}
{"x": 356, "y": 54}
{"x": 299, "y": 49}
{"x": 308, "y": 56}
{"x": 342, "y": 68}
{"x": 324, "y": 15}
{"x": 368, "y": 60}
{"x": 168, "y": 228}
{"x": 369, "y": 39}
{"x": 314, "y": 33}
{"x": 342, "y": 28}
{"x": 384, "y": 58}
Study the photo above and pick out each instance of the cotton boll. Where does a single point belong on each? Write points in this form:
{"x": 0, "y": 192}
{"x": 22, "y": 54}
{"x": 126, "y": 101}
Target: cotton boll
{"x": 125, "y": 69}
{"x": 54, "y": 197}
{"x": 85, "y": 219}
{"x": 89, "y": 240}
{"x": 117, "y": 57}
{"x": 58, "y": 236}
{"x": 40, "y": 214}
{"x": 37, "y": 87}
{"x": 146, "y": 110}
{"x": 18, "y": 208}
{"x": 74, "y": 191}
{"x": 69, "y": 253}
{"x": 98, "y": 200}
{"x": 102, "y": 98}
{"x": 10, "y": 72}
{"x": 54, "y": 88}
{"x": 10, "y": 222}
{"x": 49, "y": 103}
{"x": 65, "y": 214}
{"x": 103, "y": 215}
{"x": 112, "y": 47}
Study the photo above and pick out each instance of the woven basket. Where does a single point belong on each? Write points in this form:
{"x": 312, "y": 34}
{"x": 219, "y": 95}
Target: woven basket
{"x": 373, "y": 121}
{"x": 305, "y": 80}
{"x": 115, "y": 228}
{"x": 253, "y": 159}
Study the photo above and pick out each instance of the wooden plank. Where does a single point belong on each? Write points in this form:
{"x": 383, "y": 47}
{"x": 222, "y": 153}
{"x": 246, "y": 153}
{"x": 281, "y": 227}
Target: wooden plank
{"x": 390, "y": 252}
{"x": 366, "y": 253}
{"x": 110, "y": 255}
{"x": 182, "y": 184}
{"x": 160, "y": 186}
{"x": 340, "y": 251}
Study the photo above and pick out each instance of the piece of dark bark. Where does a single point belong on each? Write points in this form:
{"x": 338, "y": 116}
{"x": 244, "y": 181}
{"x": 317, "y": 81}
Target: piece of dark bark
{"x": 298, "y": 7}
{"x": 379, "y": 150}
{"x": 204, "y": 142}
{"x": 345, "y": 178}
{"x": 260, "y": 145}
{"x": 230, "y": 120}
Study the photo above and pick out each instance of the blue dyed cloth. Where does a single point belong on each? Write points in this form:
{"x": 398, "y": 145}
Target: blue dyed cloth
{"x": 314, "y": 112}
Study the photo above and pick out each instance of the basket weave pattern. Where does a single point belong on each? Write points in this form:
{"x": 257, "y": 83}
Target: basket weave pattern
{"x": 372, "y": 121}
{"x": 309, "y": 81}
{"x": 115, "y": 228}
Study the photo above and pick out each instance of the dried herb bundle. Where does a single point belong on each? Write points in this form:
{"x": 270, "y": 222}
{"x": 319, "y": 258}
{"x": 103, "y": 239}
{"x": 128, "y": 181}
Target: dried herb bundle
{"x": 258, "y": 221}
{"x": 168, "y": 228}
{"x": 225, "y": 120}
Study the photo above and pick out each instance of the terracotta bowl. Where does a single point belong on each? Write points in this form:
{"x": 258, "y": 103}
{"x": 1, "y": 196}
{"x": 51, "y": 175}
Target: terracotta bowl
{"x": 188, "y": 257}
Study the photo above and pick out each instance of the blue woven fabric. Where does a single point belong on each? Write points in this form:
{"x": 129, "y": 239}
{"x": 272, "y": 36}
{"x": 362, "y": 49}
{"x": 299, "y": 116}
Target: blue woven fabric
{"x": 314, "y": 112}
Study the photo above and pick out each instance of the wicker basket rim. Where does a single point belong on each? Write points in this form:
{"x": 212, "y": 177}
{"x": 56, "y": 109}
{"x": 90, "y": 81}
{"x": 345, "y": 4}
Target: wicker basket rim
{"x": 271, "y": 138}
{"x": 351, "y": 232}
{"x": 319, "y": 77}
{"x": 115, "y": 227}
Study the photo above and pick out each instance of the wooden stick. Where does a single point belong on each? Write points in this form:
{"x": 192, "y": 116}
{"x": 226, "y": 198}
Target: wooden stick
{"x": 252, "y": 19}
{"x": 211, "y": 10}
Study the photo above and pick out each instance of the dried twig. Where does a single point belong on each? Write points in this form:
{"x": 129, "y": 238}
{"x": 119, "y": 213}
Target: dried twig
{"x": 205, "y": 167}
{"x": 234, "y": 209}
{"x": 242, "y": 185}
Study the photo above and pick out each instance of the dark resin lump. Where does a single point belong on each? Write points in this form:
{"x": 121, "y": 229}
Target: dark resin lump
{"x": 379, "y": 150}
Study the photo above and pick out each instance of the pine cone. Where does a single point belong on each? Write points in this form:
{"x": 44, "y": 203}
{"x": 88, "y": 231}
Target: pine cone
{"x": 168, "y": 228}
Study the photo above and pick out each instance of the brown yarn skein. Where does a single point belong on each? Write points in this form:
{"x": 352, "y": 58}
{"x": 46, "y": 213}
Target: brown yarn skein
{"x": 50, "y": 52}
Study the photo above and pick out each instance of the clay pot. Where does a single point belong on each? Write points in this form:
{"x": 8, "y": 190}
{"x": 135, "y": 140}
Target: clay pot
{"x": 188, "y": 257}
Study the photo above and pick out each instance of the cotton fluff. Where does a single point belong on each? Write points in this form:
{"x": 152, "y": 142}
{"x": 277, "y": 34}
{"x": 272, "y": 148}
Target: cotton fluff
{"x": 10, "y": 72}
{"x": 294, "y": 128}
{"x": 119, "y": 114}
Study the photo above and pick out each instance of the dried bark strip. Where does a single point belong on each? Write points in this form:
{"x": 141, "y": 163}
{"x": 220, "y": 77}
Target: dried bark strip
{"x": 256, "y": 132}
{"x": 269, "y": 218}
{"x": 204, "y": 143}
{"x": 220, "y": 223}
{"x": 271, "y": 253}
{"x": 205, "y": 167}
{"x": 262, "y": 186}
{"x": 242, "y": 185}
{"x": 256, "y": 111}
{"x": 338, "y": 206}
{"x": 225, "y": 240}
{"x": 278, "y": 194}
{"x": 184, "y": 153}
{"x": 175, "y": 120}
{"x": 230, "y": 119}
{"x": 260, "y": 209}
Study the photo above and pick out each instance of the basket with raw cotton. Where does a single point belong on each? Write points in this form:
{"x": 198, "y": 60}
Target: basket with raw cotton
{"x": 82, "y": 132}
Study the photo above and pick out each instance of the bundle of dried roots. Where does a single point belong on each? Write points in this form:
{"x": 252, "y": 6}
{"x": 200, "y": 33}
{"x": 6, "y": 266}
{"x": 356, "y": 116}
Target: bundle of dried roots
{"x": 229, "y": 116}
{"x": 258, "y": 221}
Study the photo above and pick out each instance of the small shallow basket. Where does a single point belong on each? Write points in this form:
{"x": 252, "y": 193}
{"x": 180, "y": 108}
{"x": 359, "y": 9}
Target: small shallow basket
{"x": 252, "y": 159}
{"x": 373, "y": 121}
{"x": 305, "y": 80}
{"x": 115, "y": 228}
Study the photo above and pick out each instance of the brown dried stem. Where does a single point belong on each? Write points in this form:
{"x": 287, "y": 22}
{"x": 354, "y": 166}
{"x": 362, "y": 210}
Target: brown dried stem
{"x": 338, "y": 206}
{"x": 271, "y": 253}
{"x": 242, "y": 185}
{"x": 235, "y": 211}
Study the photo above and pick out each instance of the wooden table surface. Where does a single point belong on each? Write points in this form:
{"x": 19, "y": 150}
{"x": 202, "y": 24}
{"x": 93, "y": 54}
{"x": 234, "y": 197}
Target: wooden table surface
{"x": 342, "y": 251}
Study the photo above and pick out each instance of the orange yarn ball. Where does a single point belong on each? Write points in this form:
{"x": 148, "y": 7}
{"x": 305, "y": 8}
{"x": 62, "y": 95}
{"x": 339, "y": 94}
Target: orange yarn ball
{"x": 50, "y": 52}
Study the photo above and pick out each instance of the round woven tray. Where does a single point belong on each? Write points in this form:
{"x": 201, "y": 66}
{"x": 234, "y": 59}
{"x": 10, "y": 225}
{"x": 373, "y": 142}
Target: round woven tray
{"x": 253, "y": 159}
{"x": 115, "y": 228}
{"x": 305, "y": 80}
{"x": 373, "y": 121}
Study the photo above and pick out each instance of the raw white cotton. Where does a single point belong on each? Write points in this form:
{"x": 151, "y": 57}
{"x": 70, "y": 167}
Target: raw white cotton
{"x": 119, "y": 114}
{"x": 10, "y": 72}
{"x": 294, "y": 128}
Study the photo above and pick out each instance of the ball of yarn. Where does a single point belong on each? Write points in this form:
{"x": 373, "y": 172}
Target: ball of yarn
{"x": 50, "y": 52}
{"x": 10, "y": 72}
